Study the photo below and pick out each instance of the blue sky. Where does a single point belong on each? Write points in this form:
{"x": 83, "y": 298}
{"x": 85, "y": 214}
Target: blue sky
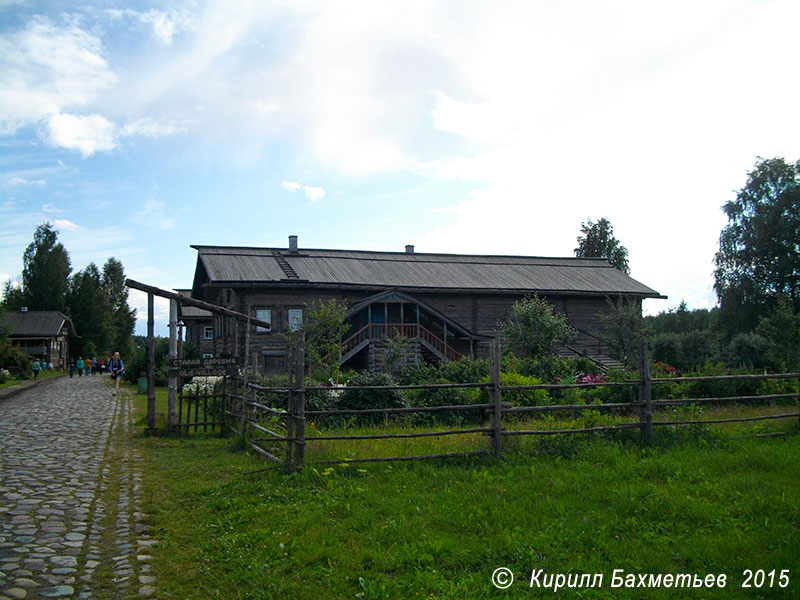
{"x": 139, "y": 128}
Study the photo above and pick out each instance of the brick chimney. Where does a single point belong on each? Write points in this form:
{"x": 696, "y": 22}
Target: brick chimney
{"x": 410, "y": 249}
{"x": 292, "y": 244}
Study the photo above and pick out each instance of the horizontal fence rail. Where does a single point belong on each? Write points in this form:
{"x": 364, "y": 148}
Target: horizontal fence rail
{"x": 267, "y": 428}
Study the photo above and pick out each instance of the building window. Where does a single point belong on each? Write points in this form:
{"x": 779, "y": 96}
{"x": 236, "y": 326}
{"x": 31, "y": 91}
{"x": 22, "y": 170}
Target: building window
{"x": 264, "y": 314}
{"x": 208, "y": 355}
{"x": 295, "y": 319}
{"x": 208, "y": 332}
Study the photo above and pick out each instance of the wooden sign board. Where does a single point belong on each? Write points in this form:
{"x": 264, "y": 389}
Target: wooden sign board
{"x": 192, "y": 363}
{"x": 202, "y": 372}
{"x": 202, "y": 367}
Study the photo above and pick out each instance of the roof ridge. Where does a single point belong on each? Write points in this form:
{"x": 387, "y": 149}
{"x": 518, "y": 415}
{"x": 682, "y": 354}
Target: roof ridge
{"x": 398, "y": 254}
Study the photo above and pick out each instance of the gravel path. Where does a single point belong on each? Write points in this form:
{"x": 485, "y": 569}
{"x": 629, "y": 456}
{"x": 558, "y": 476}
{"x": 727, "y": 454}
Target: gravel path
{"x": 70, "y": 520}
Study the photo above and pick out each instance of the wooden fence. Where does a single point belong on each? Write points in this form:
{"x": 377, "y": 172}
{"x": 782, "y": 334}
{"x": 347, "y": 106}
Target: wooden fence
{"x": 266, "y": 427}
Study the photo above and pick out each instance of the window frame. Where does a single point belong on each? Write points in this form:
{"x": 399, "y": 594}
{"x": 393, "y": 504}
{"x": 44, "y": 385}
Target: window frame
{"x": 289, "y": 325}
{"x": 262, "y": 310}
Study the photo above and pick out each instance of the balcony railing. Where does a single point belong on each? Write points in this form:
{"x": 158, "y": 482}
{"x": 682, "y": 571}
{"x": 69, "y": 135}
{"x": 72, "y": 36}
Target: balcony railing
{"x": 379, "y": 331}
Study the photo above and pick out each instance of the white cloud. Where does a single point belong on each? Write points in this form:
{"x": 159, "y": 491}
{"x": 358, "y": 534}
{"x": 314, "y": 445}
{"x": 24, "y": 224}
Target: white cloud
{"x": 49, "y": 208}
{"x": 154, "y": 214}
{"x": 86, "y": 134}
{"x": 21, "y": 181}
{"x": 46, "y": 69}
{"x": 164, "y": 28}
{"x": 151, "y": 128}
{"x": 164, "y": 25}
{"x": 65, "y": 225}
{"x": 314, "y": 193}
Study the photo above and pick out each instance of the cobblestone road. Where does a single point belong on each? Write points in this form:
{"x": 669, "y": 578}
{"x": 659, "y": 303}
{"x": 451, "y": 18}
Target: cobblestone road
{"x": 70, "y": 525}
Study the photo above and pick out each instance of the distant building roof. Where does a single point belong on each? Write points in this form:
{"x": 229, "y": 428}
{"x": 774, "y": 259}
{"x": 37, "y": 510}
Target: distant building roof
{"x": 413, "y": 271}
{"x": 36, "y": 323}
{"x": 192, "y": 312}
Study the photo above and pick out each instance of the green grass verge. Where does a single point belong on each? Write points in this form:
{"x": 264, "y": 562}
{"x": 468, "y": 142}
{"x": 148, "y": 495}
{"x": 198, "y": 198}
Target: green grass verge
{"x": 702, "y": 504}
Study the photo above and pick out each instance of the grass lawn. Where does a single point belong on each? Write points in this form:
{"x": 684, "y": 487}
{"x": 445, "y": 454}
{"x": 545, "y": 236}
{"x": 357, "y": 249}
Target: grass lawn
{"x": 42, "y": 375}
{"x": 231, "y": 528}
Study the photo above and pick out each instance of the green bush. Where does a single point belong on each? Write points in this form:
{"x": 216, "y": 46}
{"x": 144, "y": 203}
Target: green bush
{"x": 548, "y": 368}
{"x": 15, "y": 360}
{"x": 136, "y": 365}
{"x": 445, "y": 397}
{"x": 364, "y": 399}
{"x": 667, "y": 348}
{"x": 749, "y": 350}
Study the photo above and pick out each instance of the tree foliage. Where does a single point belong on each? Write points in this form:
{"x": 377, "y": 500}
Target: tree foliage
{"x": 532, "y": 328}
{"x": 325, "y": 327}
{"x": 13, "y": 297}
{"x": 97, "y": 302}
{"x": 88, "y": 308}
{"x": 759, "y": 249}
{"x": 45, "y": 271}
{"x": 597, "y": 241}
{"x": 623, "y": 329}
{"x": 121, "y": 317}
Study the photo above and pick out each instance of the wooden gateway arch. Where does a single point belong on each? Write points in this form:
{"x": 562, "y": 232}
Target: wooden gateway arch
{"x": 175, "y": 301}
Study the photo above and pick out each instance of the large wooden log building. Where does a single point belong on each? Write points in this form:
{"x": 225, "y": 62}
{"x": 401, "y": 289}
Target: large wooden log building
{"x": 442, "y": 306}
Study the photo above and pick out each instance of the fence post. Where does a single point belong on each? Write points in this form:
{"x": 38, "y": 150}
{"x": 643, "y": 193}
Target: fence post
{"x": 798, "y": 389}
{"x": 172, "y": 392}
{"x": 243, "y": 425}
{"x": 494, "y": 390}
{"x": 300, "y": 400}
{"x": 646, "y": 408}
{"x": 151, "y": 364}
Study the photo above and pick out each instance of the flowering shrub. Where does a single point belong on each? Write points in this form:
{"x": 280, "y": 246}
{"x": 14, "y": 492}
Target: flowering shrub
{"x": 661, "y": 369}
{"x": 589, "y": 378}
{"x": 202, "y": 385}
{"x": 4, "y": 375}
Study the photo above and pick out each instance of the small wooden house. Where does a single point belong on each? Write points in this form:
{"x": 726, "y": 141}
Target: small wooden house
{"x": 43, "y": 334}
{"x": 444, "y": 306}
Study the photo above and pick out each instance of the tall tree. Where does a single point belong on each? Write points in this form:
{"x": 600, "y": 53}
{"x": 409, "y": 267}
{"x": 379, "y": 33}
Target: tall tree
{"x": 622, "y": 329}
{"x": 759, "y": 249}
{"x": 325, "y": 327}
{"x": 45, "y": 271}
{"x": 121, "y": 317}
{"x": 88, "y": 308}
{"x": 532, "y": 328}
{"x": 13, "y": 297}
{"x": 597, "y": 240}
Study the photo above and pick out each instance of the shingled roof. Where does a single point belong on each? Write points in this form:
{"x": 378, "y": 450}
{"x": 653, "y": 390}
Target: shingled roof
{"x": 36, "y": 323}
{"x": 230, "y": 265}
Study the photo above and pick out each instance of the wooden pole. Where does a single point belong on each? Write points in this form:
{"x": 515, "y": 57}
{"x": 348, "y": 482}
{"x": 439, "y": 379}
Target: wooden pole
{"x": 173, "y": 353}
{"x": 300, "y": 400}
{"x": 290, "y": 358}
{"x": 494, "y": 390}
{"x": 646, "y": 409}
{"x": 244, "y": 380}
{"x": 151, "y": 365}
{"x": 217, "y": 310}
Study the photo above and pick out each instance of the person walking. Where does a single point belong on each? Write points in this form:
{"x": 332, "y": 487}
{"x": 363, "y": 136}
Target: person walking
{"x": 79, "y": 366}
{"x": 71, "y": 368}
{"x": 94, "y": 365}
{"x": 117, "y": 368}
{"x": 36, "y": 367}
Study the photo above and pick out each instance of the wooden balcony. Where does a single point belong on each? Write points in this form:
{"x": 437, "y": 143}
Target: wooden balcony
{"x": 382, "y": 331}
